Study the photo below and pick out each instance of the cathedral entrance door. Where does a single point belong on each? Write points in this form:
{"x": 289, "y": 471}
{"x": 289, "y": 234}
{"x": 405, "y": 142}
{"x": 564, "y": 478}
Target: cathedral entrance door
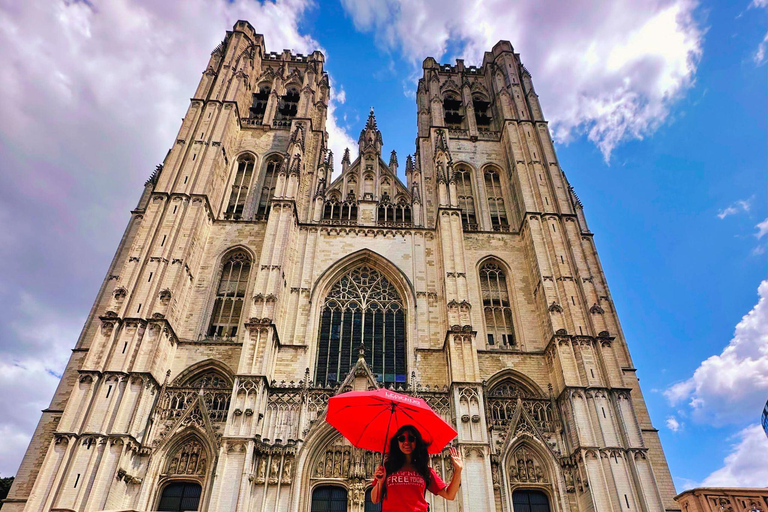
{"x": 329, "y": 499}
{"x": 530, "y": 501}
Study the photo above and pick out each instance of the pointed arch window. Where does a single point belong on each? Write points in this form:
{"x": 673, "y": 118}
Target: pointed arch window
{"x": 230, "y": 296}
{"x": 495, "y": 201}
{"x": 481, "y": 106}
{"x": 452, "y": 111}
{"x": 496, "y": 306}
{"x": 289, "y": 103}
{"x": 260, "y": 99}
{"x": 466, "y": 199}
{"x": 268, "y": 187}
{"x": 239, "y": 191}
{"x": 362, "y": 307}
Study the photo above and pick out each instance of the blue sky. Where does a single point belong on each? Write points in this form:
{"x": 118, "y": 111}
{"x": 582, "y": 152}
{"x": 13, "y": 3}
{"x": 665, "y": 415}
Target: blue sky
{"x": 658, "y": 107}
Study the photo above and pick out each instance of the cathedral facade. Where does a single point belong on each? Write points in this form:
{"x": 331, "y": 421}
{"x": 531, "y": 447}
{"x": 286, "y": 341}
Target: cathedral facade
{"x": 253, "y": 283}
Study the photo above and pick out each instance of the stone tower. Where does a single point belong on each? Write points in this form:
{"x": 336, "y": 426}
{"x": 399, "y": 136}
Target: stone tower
{"x": 251, "y": 285}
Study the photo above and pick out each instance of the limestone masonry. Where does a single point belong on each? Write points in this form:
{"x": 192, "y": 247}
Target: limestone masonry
{"x": 250, "y": 286}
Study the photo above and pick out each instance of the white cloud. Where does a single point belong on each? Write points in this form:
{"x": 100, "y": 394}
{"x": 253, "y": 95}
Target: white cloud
{"x": 673, "y": 424}
{"x": 762, "y": 50}
{"x": 730, "y": 388}
{"x": 746, "y": 465}
{"x": 610, "y": 71}
{"x": 762, "y": 229}
{"x": 742, "y": 205}
{"x": 758, "y": 3}
{"x": 92, "y": 96}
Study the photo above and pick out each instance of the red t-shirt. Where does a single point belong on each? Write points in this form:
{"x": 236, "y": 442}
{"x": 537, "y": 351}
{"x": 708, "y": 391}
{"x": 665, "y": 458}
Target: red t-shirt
{"x": 405, "y": 491}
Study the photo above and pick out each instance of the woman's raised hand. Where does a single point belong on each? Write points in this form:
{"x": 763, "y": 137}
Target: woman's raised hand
{"x": 380, "y": 474}
{"x": 458, "y": 463}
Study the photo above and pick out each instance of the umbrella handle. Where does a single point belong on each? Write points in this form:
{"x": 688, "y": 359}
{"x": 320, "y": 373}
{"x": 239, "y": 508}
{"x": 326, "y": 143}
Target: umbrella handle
{"x": 386, "y": 436}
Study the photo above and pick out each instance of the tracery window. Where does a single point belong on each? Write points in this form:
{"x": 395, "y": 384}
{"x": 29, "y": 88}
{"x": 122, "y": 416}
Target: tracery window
{"x": 337, "y": 212}
{"x": 240, "y": 186}
{"x": 230, "y": 296}
{"x": 452, "y": 111}
{"x": 260, "y": 99}
{"x": 466, "y": 199}
{"x": 496, "y": 307}
{"x": 362, "y": 307}
{"x": 495, "y": 201}
{"x": 268, "y": 187}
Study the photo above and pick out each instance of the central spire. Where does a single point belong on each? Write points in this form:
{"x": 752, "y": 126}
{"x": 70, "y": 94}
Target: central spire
{"x": 370, "y": 137}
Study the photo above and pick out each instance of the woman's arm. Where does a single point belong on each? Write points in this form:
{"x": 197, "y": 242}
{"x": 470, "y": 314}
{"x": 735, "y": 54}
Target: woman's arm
{"x": 380, "y": 476}
{"x": 452, "y": 489}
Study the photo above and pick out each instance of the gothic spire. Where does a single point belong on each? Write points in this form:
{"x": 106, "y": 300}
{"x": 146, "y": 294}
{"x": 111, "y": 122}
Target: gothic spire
{"x": 345, "y": 158}
{"x": 370, "y": 136}
{"x": 393, "y": 158}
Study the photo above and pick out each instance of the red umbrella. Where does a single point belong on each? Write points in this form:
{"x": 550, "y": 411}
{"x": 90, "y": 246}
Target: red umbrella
{"x": 366, "y": 419}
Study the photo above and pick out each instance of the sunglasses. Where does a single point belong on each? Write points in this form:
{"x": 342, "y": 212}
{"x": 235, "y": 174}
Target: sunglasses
{"x": 405, "y": 438}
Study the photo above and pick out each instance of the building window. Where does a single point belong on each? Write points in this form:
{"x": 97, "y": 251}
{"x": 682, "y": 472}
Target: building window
{"x": 260, "y": 99}
{"x": 498, "y": 314}
{"x": 466, "y": 200}
{"x": 362, "y": 307}
{"x": 240, "y": 186}
{"x": 530, "y": 501}
{"x": 329, "y": 499}
{"x": 390, "y": 214}
{"x": 268, "y": 187}
{"x": 452, "y": 111}
{"x": 289, "y": 103}
{"x": 230, "y": 296}
{"x": 495, "y": 201}
{"x": 481, "y": 106}
{"x": 180, "y": 496}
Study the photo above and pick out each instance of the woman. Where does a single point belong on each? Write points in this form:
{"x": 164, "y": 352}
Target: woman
{"x": 402, "y": 482}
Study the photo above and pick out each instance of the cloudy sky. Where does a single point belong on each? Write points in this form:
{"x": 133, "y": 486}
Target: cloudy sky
{"x": 658, "y": 108}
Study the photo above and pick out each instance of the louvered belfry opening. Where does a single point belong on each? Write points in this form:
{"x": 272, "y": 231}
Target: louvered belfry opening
{"x": 362, "y": 307}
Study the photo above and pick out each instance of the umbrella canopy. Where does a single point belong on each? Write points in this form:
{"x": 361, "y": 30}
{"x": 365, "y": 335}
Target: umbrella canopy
{"x": 368, "y": 418}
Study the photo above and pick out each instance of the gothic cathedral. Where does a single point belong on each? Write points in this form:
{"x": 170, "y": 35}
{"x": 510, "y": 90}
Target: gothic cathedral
{"x": 251, "y": 285}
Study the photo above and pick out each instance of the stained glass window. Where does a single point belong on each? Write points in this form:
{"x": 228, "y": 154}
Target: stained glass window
{"x": 362, "y": 307}
{"x": 239, "y": 190}
{"x": 495, "y": 201}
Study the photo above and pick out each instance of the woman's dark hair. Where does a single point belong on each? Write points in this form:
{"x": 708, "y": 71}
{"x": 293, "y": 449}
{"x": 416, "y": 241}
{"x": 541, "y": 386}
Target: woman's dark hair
{"x": 395, "y": 459}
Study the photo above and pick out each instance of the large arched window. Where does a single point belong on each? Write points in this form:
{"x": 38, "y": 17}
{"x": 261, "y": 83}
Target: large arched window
{"x": 289, "y": 103}
{"x": 178, "y": 496}
{"x": 240, "y": 186}
{"x": 230, "y": 295}
{"x": 329, "y": 498}
{"x": 268, "y": 187}
{"x": 466, "y": 199}
{"x": 495, "y": 201}
{"x": 496, "y": 308}
{"x": 530, "y": 501}
{"x": 362, "y": 307}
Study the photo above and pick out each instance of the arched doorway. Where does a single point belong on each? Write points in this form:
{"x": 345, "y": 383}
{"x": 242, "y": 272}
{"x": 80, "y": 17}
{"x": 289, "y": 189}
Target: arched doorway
{"x": 530, "y": 501}
{"x": 329, "y": 498}
{"x": 180, "y": 496}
